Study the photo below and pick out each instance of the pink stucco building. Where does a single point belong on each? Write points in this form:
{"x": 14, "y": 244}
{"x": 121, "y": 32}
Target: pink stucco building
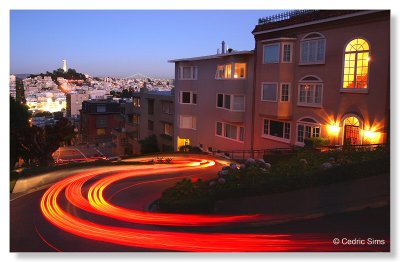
{"x": 312, "y": 74}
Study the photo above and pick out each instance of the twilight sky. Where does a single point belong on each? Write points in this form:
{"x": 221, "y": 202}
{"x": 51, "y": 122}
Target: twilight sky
{"x": 122, "y": 43}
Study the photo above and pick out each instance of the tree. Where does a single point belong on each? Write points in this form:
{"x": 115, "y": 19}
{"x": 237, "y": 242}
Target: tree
{"x": 19, "y": 126}
{"x": 149, "y": 145}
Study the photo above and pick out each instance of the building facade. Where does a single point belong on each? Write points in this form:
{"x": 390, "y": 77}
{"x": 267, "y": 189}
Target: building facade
{"x": 213, "y": 97}
{"x": 313, "y": 73}
{"x": 322, "y": 74}
{"x": 147, "y": 113}
{"x": 74, "y": 103}
{"x": 98, "y": 118}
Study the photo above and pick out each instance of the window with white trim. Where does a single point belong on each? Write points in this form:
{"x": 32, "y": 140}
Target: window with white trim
{"x": 307, "y": 128}
{"x": 356, "y": 63}
{"x": 231, "y": 71}
{"x": 312, "y": 49}
{"x": 269, "y": 92}
{"x": 230, "y": 131}
{"x": 188, "y": 97}
{"x": 285, "y": 92}
{"x": 287, "y": 52}
{"x": 310, "y": 91}
{"x": 276, "y": 129}
{"x": 271, "y": 53}
{"x": 187, "y": 73}
{"x": 231, "y": 102}
{"x": 187, "y": 122}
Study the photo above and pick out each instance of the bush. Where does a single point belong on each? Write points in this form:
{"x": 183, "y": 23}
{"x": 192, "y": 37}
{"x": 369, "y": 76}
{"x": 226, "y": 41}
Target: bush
{"x": 314, "y": 142}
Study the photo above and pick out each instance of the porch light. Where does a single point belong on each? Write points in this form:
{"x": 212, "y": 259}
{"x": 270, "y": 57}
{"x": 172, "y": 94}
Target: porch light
{"x": 333, "y": 129}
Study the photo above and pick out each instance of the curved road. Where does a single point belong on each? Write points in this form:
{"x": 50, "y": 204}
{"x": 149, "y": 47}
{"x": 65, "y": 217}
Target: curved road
{"x": 103, "y": 209}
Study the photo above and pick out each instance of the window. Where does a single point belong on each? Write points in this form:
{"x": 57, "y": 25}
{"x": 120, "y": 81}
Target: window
{"x": 356, "y": 61}
{"x": 167, "y": 107}
{"x": 312, "y": 49}
{"x": 310, "y": 91}
{"x": 150, "y": 108}
{"x": 240, "y": 70}
{"x": 227, "y": 103}
{"x": 287, "y": 53}
{"x": 231, "y": 102}
{"x": 150, "y": 125}
{"x": 230, "y": 131}
{"x": 220, "y": 100}
{"x": 285, "y": 92}
{"x": 269, "y": 92}
{"x": 271, "y": 54}
{"x": 136, "y": 102}
{"x": 187, "y": 122}
{"x": 101, "y": 121}
{"x": 100, "y": 131}
{"x": 101, "y": 109}
{"x": 135, "y": 119}
{"x": 238, "y": 103}
{"x": 276, "y": 129}
{"x": 225, "y": 71}
{"x": 187, "y": 97}
{"x": 219, "y": 128}
{"x": 307, "y": 128}
{"x": 187, "y": 72}
{"x": 168, "y": 129}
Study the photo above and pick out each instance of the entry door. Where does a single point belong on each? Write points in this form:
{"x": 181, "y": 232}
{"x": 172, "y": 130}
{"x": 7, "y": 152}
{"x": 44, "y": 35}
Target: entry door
{"x": 352, "y": 134}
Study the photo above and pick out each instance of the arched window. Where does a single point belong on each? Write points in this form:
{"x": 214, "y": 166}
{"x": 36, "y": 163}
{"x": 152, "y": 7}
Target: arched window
{"x": 352, "y": 126}
{"x": 356, "y": 61}
{"x": 307, "y": 127}
{"x": 312, "y": 49}
{"x": 310, "y": 91}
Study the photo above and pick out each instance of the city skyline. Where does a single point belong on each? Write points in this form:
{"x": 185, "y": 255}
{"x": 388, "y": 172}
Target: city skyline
{"x": 38, "y": 43}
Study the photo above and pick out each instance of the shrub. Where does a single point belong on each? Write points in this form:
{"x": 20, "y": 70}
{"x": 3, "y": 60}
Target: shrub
{"x": 315, "y": 142}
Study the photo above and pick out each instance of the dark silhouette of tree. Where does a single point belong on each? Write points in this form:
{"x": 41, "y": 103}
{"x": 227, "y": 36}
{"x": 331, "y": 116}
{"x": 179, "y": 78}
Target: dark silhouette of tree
{"x": 35, "y": 145}
{"x": 149, "y": 145}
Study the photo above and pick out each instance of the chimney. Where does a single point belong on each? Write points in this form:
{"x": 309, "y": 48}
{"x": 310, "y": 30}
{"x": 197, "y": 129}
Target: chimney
{"x": 223, "y": 50}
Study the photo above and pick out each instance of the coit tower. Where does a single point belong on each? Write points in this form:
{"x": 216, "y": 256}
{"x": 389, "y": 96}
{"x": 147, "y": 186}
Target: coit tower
{"x": 65, "y": 65}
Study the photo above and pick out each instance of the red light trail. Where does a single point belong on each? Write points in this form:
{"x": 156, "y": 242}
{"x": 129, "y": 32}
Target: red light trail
{"x": 96, "y": 203}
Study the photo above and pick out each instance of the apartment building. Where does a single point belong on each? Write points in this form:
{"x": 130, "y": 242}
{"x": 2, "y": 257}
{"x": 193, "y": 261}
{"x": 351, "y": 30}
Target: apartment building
{"x": 74, "y": 103}
{"x": 313, "y": 73}
{"x": 148, "y": 113}
{"x": 98, "y": 118}
{"x": 322, "y": 74}
{"x": 213, "y": 97}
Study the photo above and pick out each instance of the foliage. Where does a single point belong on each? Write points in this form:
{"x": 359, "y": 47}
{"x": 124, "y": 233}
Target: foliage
{"x": 71, "y": 74}
{"x": 299, "y": 171}
{"x": 189, "y": 148}
{"x": 44, "y": 113}
{"x": 316, "y": 142}
{"x": 149, "y": 145}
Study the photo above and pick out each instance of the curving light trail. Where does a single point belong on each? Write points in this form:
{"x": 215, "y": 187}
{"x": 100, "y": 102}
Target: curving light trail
{"x": 157, "y": 239}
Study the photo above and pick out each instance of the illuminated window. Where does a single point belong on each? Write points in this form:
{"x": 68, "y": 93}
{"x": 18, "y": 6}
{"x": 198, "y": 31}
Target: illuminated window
{"x": 312, "y": 49}
{"x": 356, "y": 60}
{"x": 101, "y": 131}
{"x": 136, "y": 102}
{"x": 310, "y": 91}
{"x": 240, "y": 70}
{"x": 307, "y": 128}
{"x": 225, "y": 71}
{"x": 136, "y": 119}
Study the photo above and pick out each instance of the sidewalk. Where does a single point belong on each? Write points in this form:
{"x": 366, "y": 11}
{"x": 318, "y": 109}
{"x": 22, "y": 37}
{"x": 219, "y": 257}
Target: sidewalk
{"x": 313, "y": 202}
